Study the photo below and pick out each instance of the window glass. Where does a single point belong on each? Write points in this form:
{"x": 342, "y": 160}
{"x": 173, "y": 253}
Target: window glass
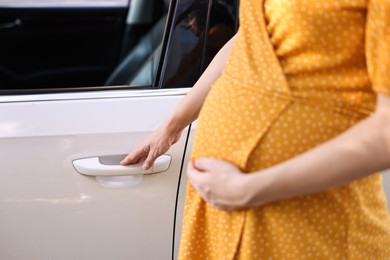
{"x": 45, "y": 47}
{"x": 141, "y": 63}
{"x": 63, "y": 49}
{"x": 201, "y": 29}
{"x": 59, "y": 47}
{"x": 222, "y": 25}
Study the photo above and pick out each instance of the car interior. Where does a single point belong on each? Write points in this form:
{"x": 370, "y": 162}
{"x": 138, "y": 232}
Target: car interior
{"x": 80, "y": 48}
{"x": 189, "y": 52}
{"x": 140, "y": 62}
{"x": 60, "y": 47}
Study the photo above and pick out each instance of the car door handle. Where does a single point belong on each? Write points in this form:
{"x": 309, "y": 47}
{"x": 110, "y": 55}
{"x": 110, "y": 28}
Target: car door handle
{"x": 95, "y": 166}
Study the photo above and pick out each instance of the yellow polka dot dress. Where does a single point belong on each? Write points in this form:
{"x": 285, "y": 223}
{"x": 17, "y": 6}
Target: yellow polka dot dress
{"x": 300, "y": 72}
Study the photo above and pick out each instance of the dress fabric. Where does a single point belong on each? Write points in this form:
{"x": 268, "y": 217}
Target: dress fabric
{"x": 300, "y": 72}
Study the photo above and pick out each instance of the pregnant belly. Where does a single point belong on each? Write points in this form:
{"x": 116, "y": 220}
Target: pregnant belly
{"x": 255, "y": 131}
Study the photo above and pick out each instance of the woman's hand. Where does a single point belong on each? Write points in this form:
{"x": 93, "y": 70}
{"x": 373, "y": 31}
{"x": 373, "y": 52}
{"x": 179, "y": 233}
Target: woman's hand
{"x": 359, "y": 152}
{"x": 152, "y": 147}
{"x": 220, "y": 183}
{"x": 185, "y": 113}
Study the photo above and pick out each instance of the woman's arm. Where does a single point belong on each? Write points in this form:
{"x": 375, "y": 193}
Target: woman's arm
{"x": 362, "y": 150}
{"x": 188, "y": 109}
{"x": 184, "y": 114}
{"x": 358, "y": 152}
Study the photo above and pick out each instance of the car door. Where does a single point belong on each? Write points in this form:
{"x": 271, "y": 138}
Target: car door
{"x": 63, "y": 194}
{"x": 50, "y": 210}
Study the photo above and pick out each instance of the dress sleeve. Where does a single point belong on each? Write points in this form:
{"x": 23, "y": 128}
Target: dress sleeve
{"x": 378, "y": 45}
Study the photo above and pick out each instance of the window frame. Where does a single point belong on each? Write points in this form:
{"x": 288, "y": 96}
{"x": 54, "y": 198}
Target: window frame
{"x": 159, "y": 74}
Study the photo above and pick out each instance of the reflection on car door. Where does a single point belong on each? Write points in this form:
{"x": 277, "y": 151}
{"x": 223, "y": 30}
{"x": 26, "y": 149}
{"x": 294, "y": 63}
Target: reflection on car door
{"x": 51, "y": 211}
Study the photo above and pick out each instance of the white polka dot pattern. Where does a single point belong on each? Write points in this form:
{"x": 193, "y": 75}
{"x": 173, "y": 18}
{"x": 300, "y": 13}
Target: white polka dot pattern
{"x": 300, "y": 73}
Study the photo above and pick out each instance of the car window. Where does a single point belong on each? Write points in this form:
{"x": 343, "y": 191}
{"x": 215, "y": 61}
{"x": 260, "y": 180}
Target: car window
{"x": 200, "y": 29}
{"x": 85, "y": 44}
{"x": 56, "y": 46}
{"x": 140, "y": 62}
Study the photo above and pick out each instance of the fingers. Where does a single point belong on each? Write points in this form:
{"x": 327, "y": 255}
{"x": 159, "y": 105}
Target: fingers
{"x": 193, "y": 172}
{"x": 139, "y": 155}
{"x": 202, "y": 164}
{"x": 212, "y": 179}
{"x": 151, "y": 148}
{"x": 135, "y": 156}
{"x": 197, "y": 179}
{"x": 214, "y": 165}
{"x": 152, "y": 156}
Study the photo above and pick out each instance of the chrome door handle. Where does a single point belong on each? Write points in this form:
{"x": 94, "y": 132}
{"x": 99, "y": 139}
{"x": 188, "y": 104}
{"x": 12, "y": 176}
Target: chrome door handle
{"x": 93, "y": 166}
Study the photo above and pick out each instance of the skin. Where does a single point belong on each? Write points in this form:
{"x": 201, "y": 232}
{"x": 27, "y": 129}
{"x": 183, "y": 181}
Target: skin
{"x": 362, "y": 150}
{"x": 357, "y": 153}
{"x": 193, "y": 25}
{"x": 185, "y": 113}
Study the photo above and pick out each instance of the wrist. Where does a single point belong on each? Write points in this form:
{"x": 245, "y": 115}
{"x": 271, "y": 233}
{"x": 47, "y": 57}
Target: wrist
{"x": 173, "y": 126}
{"x": 261, "y": 188}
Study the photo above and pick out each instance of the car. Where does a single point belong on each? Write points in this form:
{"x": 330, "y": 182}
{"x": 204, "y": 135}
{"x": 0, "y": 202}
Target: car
{"x": 77, "y": 93}
{"x": 82, "y": 83}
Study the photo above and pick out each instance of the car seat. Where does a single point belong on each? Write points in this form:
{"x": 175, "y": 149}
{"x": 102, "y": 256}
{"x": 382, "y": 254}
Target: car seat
{"x": 138, "y": 67}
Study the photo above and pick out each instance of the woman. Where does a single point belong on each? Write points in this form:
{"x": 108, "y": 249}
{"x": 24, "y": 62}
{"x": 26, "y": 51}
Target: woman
{"x": 290, "y": 136}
